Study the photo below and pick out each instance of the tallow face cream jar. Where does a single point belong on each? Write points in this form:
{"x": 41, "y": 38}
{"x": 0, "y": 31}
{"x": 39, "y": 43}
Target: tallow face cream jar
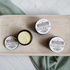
{"x": 24, "y": 37}
{"x": 43, "y": 26}
{"x": 11, "y": 42}
{"x": 57, "y": 44}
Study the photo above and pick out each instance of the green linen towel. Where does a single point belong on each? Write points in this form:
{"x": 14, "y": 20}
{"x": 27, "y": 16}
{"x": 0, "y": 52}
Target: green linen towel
{"x": 40, "y": 62}
{"x": 8, "y": 8}
{"x": 51, "y": 62}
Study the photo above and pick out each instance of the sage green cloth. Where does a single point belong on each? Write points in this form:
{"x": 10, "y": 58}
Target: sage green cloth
{"x": 40, "y": 62}
{"x": 8, "y": 8}
{"x": 51, "y": 62}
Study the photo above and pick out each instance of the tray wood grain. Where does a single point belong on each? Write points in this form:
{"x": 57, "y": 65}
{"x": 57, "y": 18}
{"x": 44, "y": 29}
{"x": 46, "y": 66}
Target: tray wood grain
{"x": 12, "y": 24}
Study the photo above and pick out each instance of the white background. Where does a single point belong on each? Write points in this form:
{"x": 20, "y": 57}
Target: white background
{"x": 33, "y": 7}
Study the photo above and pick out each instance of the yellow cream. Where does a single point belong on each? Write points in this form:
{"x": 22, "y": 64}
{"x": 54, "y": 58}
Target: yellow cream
{"x": 24, "y": 37}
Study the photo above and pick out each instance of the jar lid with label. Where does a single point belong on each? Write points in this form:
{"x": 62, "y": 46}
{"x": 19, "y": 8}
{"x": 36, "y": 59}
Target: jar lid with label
{"x": 57, "y": 44}
{"x": 43, "y": 26}
{"x": 11, "y": 42}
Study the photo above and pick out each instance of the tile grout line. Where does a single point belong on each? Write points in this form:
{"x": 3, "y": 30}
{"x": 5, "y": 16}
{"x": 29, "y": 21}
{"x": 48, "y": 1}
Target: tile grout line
{"x": 49, "y": 9}
{"x": 66, "y": 5}
{"x": 19, "y": 2}
{"x": 21, "y": 62}
{"x": 30, "y": 5}
{"x": 2, "y": 67}
{"x": 52, "y": 6}
{"x": 25, "y": 9}
{"x": 61, "y": 9}
{"x": 41, "y": 6}
{"x": 55, "y": 4}
{"x": 10, "y": 63}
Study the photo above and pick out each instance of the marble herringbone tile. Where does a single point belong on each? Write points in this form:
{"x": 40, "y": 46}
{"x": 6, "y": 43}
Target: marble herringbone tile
{"x": 62, "y": 3}
{"x": 67, "y": 9}
{"x": 45, "y": 7}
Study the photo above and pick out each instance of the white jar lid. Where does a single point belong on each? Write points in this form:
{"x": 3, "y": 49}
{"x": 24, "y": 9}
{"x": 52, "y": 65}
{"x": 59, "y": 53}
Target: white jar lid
{"x": 43, "y": 26}
{"x": 56, "y": 44}
{"x": 11, "y": 42}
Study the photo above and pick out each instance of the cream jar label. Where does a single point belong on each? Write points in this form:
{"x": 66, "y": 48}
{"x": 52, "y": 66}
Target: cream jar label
{"x": 11, "y": 43}
{"x": 43, "y": 26}
{"x": 57, "y": 44}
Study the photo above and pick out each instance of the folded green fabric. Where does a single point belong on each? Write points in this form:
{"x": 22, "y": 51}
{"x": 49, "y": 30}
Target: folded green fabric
{"x": 51, "y": 62}
{"x": 40, "y": 62}
{"x": 8, "y": 8}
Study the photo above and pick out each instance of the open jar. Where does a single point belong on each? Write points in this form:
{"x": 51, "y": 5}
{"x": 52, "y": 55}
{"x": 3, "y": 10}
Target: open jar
{"x": 24, "y": 37}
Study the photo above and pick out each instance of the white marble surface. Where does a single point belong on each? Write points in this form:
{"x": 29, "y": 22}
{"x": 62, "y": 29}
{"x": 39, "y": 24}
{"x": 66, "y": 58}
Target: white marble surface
{"x": 15, "y": 63}
{"x": 45, "y": 7}
{"x": 33, "y": 7}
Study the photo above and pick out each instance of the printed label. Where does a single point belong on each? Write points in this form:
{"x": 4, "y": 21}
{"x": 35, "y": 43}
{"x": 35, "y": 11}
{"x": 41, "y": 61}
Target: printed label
{"x": 11, "y": 42}
{"x": 43, "y": 26}
{"x": 57, "y": 44}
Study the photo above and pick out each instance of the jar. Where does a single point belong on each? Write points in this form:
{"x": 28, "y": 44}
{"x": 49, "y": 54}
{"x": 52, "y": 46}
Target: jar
{"x": 43, "y": 26}
{"x": 24, "y": 37}
{"x": 11, "y": 42}
{"x": 56, "y": 44}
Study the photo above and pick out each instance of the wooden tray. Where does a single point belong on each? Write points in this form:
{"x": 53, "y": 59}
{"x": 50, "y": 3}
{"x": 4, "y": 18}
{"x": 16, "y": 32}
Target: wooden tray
{"x": 12, "y": 24}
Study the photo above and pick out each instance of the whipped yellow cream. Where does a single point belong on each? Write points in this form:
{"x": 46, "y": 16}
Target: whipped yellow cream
{"x": 24, "y": 37}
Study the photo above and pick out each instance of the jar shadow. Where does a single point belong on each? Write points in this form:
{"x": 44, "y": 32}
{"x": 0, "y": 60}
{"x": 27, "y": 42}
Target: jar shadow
{"x": 45, "y": 42}
{"x": 31, "y": 23}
